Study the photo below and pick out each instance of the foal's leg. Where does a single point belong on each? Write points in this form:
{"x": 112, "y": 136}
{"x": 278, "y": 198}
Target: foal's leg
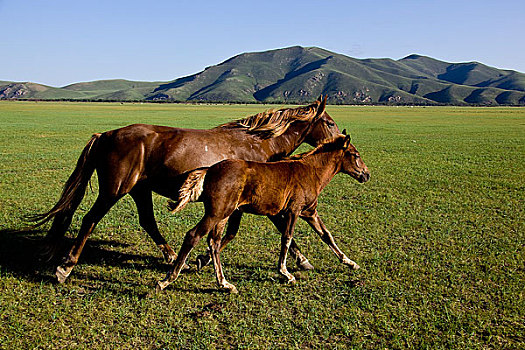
{"x": 317, "y": 224}
{"x": 286, "y": 239}
{"x": 300, "y": 259}
{"x": 95, "y": 214}
{"x": 231, "y": 231}
{"x": 192, "y": 238}
{"x": 142, "y": 198}
{"x": 215, "y": 247}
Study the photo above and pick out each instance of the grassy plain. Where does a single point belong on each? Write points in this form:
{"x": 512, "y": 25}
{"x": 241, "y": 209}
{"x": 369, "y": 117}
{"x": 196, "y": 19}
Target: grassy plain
{"x": 438, "y": 233}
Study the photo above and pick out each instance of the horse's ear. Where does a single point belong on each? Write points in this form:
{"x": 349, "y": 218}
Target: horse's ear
{"x": 346, "y": 142}
{"x": 321, "y": 108}
{"x": 344, "y": 132}
{"x": 319, "y": 99}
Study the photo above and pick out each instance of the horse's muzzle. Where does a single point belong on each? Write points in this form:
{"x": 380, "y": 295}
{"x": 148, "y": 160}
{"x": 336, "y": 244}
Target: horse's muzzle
{"x": 364, "y": 177}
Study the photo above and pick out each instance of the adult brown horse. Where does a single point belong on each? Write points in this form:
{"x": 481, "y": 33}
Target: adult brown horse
{"x": 284, "y": 191}
{"x": 139, "y": 159}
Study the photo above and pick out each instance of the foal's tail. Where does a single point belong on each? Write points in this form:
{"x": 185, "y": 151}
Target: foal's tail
{"x": 73, "y": 191}
{"x": 190, "y": 190}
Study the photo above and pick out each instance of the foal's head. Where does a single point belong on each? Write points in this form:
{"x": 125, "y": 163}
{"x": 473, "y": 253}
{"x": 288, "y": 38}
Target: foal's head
{"x": 352, "y": 163}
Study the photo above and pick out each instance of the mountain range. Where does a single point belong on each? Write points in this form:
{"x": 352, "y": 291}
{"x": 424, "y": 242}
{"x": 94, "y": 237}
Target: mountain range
{"x": 298, "y": 74}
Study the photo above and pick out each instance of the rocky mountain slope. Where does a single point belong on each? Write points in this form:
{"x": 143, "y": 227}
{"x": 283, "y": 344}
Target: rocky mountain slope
{"x": 297, "y": 74}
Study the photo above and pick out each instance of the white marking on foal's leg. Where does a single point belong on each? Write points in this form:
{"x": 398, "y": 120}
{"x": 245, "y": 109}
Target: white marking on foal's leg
{"x": 290, "y": 277}
{"x": 284, "y": 271}
{"x": 350, "y": 263}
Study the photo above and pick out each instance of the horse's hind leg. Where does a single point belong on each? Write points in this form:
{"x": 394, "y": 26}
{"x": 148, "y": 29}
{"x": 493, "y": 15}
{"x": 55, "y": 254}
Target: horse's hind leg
{"x": 215, "y": 245}
{"x": 95, "y": 214}
{"x": 286, "y": 239}
{"x": 231, "y": 231}
{"x": 143, "y": 200}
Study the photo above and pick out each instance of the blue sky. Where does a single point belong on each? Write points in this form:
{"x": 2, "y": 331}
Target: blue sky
{"x": 57, "y": 42}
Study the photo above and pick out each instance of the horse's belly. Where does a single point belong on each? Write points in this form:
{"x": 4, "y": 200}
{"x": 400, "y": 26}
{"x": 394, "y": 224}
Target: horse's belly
{"x": 265, "y": 205}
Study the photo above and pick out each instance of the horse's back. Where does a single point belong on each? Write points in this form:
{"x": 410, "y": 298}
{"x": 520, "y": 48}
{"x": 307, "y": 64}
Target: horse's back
{"x": 255, "y": 187}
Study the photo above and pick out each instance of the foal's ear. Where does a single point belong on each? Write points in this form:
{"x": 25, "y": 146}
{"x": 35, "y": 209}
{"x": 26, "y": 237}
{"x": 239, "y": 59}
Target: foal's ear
{"x": 346, "y": 142}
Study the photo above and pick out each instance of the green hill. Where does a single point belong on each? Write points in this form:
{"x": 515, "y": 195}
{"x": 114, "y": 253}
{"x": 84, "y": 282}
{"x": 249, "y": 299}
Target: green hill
{"x": 297, "y": 74}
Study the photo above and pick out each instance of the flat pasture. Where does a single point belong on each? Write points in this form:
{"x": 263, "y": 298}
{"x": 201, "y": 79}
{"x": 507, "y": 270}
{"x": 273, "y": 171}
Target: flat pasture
{"x": 438, "y": 232}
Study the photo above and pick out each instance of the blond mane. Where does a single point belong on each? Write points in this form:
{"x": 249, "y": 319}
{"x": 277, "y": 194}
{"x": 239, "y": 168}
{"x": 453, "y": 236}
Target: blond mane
{"x": 325, "y": 146}
{"x": 273, "y": 123}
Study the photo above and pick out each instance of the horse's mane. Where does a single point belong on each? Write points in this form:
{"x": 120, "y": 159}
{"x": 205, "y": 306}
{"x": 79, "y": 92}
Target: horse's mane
{"x": 325, "y": 146}
{"x": 273, "y": 123}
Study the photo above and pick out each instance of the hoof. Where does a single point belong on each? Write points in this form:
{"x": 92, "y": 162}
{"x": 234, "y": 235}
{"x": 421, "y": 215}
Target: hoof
{"x": 168, "y": 253}
{"x": 202, "y": 261}
{"x": 61, "y": 274}
{"x": 170, "y": 259}
{"x": 305, "y": 265}
{"x": 161, "y": 285}
{"x": 292, "y": 280}
{"x": 351, "y": 264}
{"x": 230, "y": 288}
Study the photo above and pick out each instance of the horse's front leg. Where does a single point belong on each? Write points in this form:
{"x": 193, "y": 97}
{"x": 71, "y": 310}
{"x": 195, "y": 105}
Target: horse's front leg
{"x": 295, "y": 252}
{"x": 142, "y": 197}
{"x": 286, "y": 238}
{"x": 317, "y": 224}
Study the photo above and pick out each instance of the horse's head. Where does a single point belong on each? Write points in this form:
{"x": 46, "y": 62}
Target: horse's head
{"x": 323, "y": 126}
{"x": 352, "y": 164}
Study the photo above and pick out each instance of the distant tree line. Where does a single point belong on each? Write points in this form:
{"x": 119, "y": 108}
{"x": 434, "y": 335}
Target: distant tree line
{"x": 280, "y": 102}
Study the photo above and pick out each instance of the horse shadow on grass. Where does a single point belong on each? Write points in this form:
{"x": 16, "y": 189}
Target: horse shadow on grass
{"x": 20, "y": 255}
{"x": 20, "y": 252}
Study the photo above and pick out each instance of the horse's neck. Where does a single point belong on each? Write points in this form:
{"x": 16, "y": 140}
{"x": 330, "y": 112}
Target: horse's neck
{"x": 285, "y": 144}
{"x": 324, "y": 166}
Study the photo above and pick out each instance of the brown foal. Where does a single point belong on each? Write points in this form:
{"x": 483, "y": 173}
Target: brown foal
{"x": 283, "y": 191}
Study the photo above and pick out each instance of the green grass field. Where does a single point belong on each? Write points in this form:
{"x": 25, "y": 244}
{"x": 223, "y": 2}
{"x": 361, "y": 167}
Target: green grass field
{"x": 438, "y": 232}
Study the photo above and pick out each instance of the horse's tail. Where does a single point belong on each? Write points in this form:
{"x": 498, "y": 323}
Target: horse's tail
{"x": 73, "y": 192}
{"x": 190, "y": 190}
